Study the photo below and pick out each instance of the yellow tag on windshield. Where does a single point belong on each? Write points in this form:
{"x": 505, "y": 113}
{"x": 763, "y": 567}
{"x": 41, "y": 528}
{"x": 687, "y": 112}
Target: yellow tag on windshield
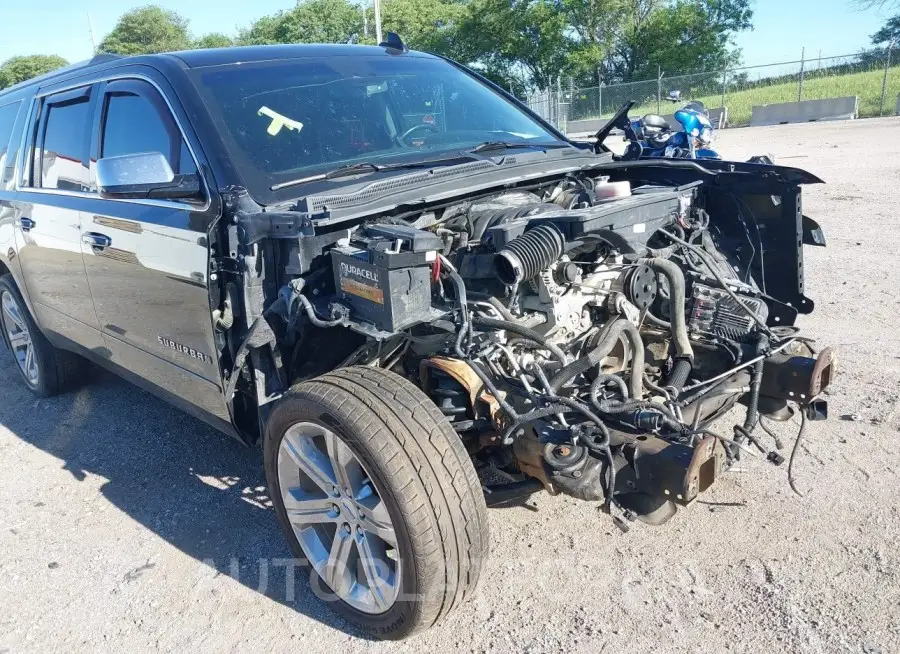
{"x": 278, "y": 121}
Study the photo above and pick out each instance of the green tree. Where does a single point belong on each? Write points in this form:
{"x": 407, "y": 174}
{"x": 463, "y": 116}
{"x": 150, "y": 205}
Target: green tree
{"x": 313, "y": 21}
{"x": 528, "y": 43}
{"x": 428, "y": 25}
{"x": 147, "y": 30}
{"x": 19, "y": 69}
{"x": 596, "y": 25}
{"x": 213, "y": 40}
{"x": 681, "y": 36}
{"x": 515, "y": 43}
{"x": 424, "y": 24}
{"x": 264, "y": 31}
{"x": 889, "y": 34}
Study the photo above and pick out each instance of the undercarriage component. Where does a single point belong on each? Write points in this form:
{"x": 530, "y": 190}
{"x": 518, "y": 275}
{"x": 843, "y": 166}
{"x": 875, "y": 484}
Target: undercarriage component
{"x": 673, "y": 470}
{"x": 563, "y": 467}
{"x": 501, "y": 494}
{"x": 441, "y": 377}
{"x": 797, "y": 378}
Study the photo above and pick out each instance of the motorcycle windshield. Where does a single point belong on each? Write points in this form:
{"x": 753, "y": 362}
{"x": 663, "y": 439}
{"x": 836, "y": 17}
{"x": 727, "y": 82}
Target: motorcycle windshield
{"x": 691, "y": 120}
{"x": 696, "y": 105}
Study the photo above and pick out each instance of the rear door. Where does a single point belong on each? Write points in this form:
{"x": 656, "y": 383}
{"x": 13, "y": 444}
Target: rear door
{"x": 56, "y": 187}
{"x": 147, "y": 260}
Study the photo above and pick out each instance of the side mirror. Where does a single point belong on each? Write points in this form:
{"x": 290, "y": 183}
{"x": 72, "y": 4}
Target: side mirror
{"x": 144, "y": 175}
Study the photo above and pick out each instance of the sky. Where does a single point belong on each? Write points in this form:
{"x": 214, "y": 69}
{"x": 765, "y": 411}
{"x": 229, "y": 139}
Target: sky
{"x": 782, "y": 28}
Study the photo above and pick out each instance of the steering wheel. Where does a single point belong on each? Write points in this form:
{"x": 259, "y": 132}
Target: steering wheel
{"x": 405, "y": 135}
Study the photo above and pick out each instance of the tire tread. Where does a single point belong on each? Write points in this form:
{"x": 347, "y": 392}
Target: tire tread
{"x": 433, "y": 478}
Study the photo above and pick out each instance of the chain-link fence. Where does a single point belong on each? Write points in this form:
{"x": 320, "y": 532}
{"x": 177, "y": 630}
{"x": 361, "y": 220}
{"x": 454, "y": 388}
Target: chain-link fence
{"x": 873, "y": 77}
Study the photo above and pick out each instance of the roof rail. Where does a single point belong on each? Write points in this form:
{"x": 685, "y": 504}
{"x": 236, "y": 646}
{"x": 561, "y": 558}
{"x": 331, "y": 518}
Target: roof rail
{"x": 103, "y": 58}
{"x": 78, "y": 65}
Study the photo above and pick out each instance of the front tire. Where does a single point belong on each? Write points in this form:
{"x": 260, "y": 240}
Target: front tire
{"x": 46, "y": 370}
{"x": 375, "y": 490}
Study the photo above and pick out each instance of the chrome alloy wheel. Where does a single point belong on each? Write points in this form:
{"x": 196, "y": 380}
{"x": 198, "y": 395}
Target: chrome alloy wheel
{"x": 19, "y": 337}
{"x": 339, "y": 518}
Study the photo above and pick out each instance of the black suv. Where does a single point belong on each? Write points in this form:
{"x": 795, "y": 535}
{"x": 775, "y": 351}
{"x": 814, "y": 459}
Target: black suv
{"x": 399, "y": 281}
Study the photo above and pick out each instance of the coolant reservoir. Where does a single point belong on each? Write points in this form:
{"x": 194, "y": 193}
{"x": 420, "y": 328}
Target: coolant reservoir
{"x": 612, "y": 190}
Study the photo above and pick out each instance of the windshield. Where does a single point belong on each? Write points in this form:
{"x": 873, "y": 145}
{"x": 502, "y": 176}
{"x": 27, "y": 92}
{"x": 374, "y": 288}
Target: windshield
{"x": 289, "y": 119}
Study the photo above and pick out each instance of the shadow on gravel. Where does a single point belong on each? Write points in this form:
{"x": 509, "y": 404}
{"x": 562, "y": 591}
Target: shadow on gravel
{"x": 200, "y": 490}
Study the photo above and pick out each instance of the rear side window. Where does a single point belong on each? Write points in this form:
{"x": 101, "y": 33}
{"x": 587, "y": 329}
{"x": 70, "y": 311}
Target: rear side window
{"x": 8, "y": 115}
{"x": 65, "y": 145}
{"x": 138, "y": 121}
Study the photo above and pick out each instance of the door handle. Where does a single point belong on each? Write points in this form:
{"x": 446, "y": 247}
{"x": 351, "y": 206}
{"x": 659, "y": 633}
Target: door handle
{"x": 96, "y": 240}
{"x": 26, "y": 223}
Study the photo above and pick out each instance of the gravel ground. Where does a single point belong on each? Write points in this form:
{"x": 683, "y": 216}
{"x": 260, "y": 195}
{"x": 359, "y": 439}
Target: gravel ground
{"x": 130, "y": 526}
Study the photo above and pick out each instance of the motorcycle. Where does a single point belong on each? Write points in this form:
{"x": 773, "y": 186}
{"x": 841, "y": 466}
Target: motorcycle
{"x": 653, "y": 137}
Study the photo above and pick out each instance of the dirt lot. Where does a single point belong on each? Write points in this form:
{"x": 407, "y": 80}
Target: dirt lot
{"x": 129, "y": 526}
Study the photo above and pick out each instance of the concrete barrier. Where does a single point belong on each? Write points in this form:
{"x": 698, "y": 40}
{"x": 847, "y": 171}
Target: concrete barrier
{"x": 589, "y": 126}
{"x": 804, "y": 111}
{"x": 578, "y": 128}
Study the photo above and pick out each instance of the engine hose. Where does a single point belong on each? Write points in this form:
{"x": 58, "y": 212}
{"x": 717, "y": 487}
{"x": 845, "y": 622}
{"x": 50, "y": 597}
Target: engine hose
{"x": 656, "y": 389}
{"x": 507, "y": 436}
{"x": 663, "y": 253}
{"x": 680, "y": 373}
{"x": 494, "y": 302}
{"x": 752, "y": 418}
{"x": 603, "y": 348}
{"x": 466, "y": 326}
{"x": 618, "y": 406}
{"x": 313, "y": 318}
{"x": 604, "y": 380}
{"x": 464, "y": 330}
{"x": 527, "y": 255}
{"x": 492, "y": 389}
{"x": 613, "y": 408}
{"x": 659, "y": 322}
{"x": 521, "y": 330}
{"x": 712, "y": 268}
{"x": 675, "y": 277}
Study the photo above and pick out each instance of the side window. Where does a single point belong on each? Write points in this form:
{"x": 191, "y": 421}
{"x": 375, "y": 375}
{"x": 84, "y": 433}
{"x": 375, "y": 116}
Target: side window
{"x": 137, "y": 120}
{"x": 65, "y": 145}
{"x": 7, "y": 150}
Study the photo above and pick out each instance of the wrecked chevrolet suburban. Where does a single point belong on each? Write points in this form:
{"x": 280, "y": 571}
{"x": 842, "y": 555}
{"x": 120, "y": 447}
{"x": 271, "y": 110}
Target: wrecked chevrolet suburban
{"x": 415, "y": 295}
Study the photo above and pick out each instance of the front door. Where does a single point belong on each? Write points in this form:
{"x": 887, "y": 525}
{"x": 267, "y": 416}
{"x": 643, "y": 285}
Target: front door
{"x": 147, "y": 260}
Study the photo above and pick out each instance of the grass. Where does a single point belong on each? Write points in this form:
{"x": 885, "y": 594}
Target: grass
{"x": 865, "y": 85}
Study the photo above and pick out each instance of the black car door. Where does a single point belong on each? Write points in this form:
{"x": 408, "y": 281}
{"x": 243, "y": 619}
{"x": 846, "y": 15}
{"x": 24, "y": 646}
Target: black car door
{"x": 55, "y": 190}
{"x": 147, "y": 260}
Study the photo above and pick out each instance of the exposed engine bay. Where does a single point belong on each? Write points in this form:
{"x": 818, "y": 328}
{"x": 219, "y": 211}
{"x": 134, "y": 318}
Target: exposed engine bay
{"x": 582, "y": 335}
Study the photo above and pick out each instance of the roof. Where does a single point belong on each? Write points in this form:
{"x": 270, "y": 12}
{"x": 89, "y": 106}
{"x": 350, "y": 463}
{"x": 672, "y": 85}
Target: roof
{"x": 87, "y": 64}
{"x": 253, "y": 53}
{"x": 223, "y": 56}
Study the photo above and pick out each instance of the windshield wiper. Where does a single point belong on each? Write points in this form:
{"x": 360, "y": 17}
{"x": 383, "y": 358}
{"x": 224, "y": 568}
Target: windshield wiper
{"x": 367, "y": 167}
{"x": 364, "y": 168}
{"x": 489, "y": 146}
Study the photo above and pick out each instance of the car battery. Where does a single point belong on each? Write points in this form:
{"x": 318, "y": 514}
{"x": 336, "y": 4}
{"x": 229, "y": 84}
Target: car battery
{"x": 384, "y": 276}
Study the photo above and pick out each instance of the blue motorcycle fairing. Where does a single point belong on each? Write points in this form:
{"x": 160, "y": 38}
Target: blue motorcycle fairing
{"x": 692, "y": 120}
